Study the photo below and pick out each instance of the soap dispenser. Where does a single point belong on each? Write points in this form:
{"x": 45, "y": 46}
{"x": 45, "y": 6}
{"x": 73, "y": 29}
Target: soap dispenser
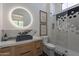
{"x": 4, "y": 38}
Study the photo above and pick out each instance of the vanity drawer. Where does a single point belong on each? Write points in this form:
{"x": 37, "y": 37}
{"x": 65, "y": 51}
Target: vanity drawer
{"x": 6, "y": 51}
{"x": 23, "y": 48}
{"x": 5, "y": 54}
{"x": 39, "y": 51}
{"x": 38, "y": 44}
{"x": 38, "y": 47}
{"x": 28, "y": 53}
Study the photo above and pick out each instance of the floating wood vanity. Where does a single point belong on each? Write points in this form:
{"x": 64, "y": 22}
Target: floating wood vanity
{"x": 33, "y": 48}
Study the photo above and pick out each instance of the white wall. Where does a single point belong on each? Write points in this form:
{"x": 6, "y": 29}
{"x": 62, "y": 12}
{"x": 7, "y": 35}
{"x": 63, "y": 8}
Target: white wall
{"x": 32, "y": 7}
{"x": 52, "y": 20}
{"x": 0, "y": 20}
{"x": 58, "y": 8}
{"x": 52, "y": 31}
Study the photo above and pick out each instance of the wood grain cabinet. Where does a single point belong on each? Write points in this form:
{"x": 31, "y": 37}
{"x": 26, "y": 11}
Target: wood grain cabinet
{"x": 24, "y": 49}
{"x": 27, "y": 49}
{"x": 38, "y": 47}
{"x": 6, "y": 51}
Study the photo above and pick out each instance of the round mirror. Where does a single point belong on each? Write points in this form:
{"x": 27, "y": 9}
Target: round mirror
{"x": 21, "y": 17}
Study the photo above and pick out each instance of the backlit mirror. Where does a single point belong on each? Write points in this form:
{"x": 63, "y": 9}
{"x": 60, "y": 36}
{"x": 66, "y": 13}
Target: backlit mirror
{"x": 21, "y": 17}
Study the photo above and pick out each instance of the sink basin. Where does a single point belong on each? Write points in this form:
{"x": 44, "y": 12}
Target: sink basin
{"x": 24, "y": 37}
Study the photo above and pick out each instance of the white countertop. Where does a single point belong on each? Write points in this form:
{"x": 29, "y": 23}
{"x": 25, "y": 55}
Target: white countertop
{"x": 13, "y": 42}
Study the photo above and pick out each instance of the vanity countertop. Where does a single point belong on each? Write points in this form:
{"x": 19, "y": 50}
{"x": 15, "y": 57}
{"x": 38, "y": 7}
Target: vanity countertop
{"x": 13, "y": 42}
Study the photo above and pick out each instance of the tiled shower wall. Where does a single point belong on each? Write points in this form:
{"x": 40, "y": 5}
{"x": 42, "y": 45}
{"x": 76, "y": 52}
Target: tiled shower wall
{"x": 67, "y": 29}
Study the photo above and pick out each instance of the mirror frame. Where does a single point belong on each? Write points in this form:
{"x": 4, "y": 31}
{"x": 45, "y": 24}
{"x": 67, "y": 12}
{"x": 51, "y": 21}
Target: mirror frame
{"x": 11, "y": 21}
